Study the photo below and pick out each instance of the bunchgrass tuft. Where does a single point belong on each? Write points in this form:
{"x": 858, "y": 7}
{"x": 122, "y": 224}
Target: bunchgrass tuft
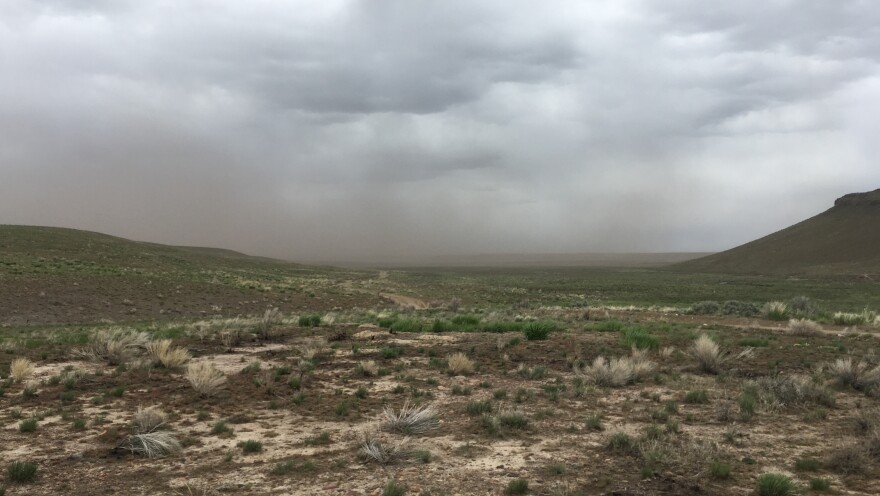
{"x": 775, "y": 485}
{"x": 205, "y": 378}
{"x": 460, "y": 364}
{"x": 149, "y": 419}
{"x": 394, "y": 488}
{"x": 21, "y": 369}
{"x": 170, "y": 357}
{"x": 21, "y": 472}
{"x": 250, "y": 446}
{"x": 410, "y": 419}
{"x": 153, "y": 444}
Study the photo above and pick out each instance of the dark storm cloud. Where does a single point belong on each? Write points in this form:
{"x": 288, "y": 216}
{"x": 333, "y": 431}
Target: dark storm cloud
{"x": 387, "y": 129}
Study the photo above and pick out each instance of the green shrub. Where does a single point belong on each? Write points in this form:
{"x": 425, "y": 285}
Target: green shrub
{"x": 801, "y": 306}
{"x": 250, "y": 446}
{"x": 806, "y": 464}
{"x": 393, "y": 488}
{"x": 391, "y": 351}
{"x": 22, "y": 472}
{"x": 406, "y": 325}
{"x": 720, "y": 470}
{"x": 820, "y": 484}
{"x": 221, "y": 428}
{"x": 466, "y": 322}
{"x": 621, "y": 442}
{"x": 696, "y": 397}
{"x": 747, "y": 402}
{"x": 609, "y": 326}
{"x": 474, "y": 407}
{"x": 594, "y": 423}
{"x": 775, "y": 485}
{"x": 501, "y": 327}
{"x": 753, "y": 342}
{"x": 517, "y": 486}
{"x": 740, "y": 308}
{"x": 312, "y": 320}
{"x": 637, "y": 337}
{"x": 704, "y": 308}
{"x": 440, "y": 325}
{"x": 29, "y": 425}
{"x": 538, "y": 331}
{"x": 513, "y": 420}
{"x": 321, "y": 439}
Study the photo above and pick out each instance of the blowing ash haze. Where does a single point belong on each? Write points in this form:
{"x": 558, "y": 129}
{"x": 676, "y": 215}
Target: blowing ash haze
{"x": 380, "y": 130}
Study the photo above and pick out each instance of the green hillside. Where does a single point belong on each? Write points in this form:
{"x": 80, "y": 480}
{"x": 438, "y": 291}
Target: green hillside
{"x": 56, "y": 275}
{"x": 844, "y": 240}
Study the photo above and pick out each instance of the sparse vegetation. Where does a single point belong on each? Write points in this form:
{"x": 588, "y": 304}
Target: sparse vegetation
{"x": 21, "y": 369}
{"x": 617, "y": 372}
{"x": 804, "y": 327}
{"x": 775, "y": 310}
{"x": 168, "y": 356}
{"x": 670, "y": 428}
{"x": 205, "y": 378}
{"x": 21, "y": 472}
{"x": 410, "y": 419}
{"x": 775, "y": 485}
{"x": 153, "y": 444}
{"x": 460, "y": 364}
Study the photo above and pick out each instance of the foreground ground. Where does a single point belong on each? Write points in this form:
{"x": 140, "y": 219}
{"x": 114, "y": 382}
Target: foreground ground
{"x": 565, "y": 437}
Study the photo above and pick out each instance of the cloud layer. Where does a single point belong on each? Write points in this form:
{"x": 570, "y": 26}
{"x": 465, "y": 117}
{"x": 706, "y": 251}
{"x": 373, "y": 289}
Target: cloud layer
{"x": 343, "y": 130}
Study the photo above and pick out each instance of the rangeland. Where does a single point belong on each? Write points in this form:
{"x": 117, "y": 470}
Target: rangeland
{"x": 540, "y": 381}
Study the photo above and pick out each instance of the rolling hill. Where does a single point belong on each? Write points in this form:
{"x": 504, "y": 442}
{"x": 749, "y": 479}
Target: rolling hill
{"x": 58, "y": 275}
{"x": 844, "y": 240}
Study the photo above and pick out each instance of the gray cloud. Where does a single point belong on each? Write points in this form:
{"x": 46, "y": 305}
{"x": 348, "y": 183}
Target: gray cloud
{"x": 377, "y": 129}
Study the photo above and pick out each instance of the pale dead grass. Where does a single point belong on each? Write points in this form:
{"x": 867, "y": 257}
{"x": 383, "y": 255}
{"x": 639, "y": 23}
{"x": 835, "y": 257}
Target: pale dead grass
{"x": 21, "y": 369}
{"x": 115, "y": 346}
{"x": 205, "y": 378}
{"x": 804, "y": 327}
{"x": 171, "y": 357}
{"x": 460, "y": 364}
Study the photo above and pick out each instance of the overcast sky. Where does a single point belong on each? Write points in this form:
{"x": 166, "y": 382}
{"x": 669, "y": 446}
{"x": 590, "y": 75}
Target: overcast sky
{"x": 345, "y": 130}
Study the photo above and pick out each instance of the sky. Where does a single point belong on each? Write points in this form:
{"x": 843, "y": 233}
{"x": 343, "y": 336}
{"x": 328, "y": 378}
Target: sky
{"x": 384, "y": 130}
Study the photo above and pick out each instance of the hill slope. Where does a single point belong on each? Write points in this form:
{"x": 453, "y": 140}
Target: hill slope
{"x": 56, "y": 275}
{"x": 844, "y": 240}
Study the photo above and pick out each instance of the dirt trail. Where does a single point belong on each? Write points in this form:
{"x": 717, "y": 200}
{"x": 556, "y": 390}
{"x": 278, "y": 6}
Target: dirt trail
{"x": 405, "y": 301}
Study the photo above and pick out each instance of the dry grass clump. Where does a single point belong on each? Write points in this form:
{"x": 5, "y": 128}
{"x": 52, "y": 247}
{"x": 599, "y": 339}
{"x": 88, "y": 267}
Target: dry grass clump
{"x": 868, "y": 317}
{"x": 804, "y": 327}
{"x": 115, "y": 346}
{"x": 368, "y": 368}
{"x": 152, "y": 444}
{"x": 709, "y": 356}
{"x": 411, "y": 419}
{"x": 775, "y": 310}
{"x": 21, "y": 369}
{"x": 617, "y": 372}
{"x": 780, "y": 392}
{"x": 149, "y": 419}
{"x": 384, "y": 452}
{"x": 858, "y": 375}
{"x": 170, "y": 357}
{"x": 312, "y": 348}
{"x": 460, "y": 364}
{"x": 205, "y": 378}
{"x": 271, "y": 318}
